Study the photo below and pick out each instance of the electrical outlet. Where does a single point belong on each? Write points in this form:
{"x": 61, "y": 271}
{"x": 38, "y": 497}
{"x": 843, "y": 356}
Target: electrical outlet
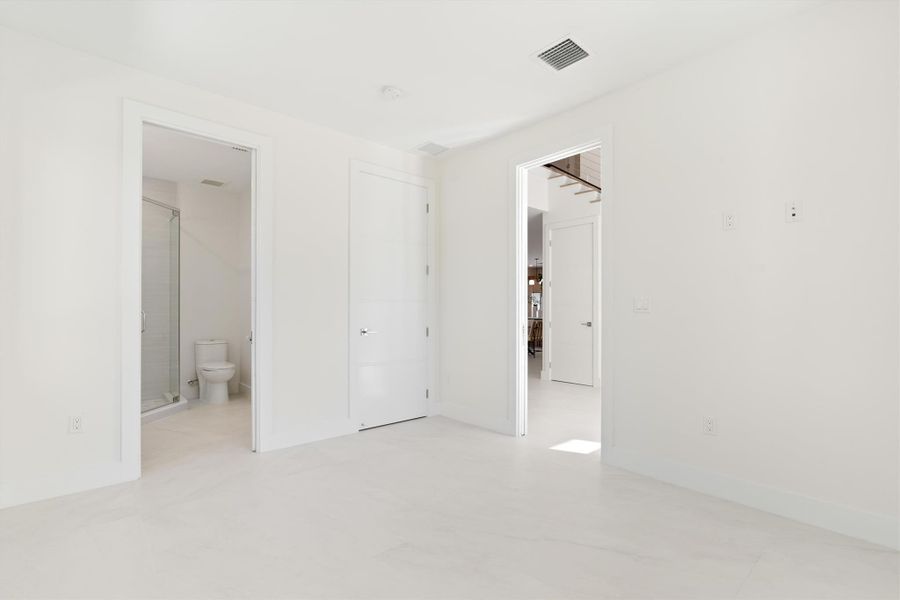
{"x": 709, "y": 426}
{"x": 793, "y": 211}
{"x": 729, "y": 221}
{"x": 76, "y": 425}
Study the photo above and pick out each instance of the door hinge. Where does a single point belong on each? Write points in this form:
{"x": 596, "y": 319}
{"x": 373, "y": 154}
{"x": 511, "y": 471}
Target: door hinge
{"x": 426, "y": 393}
{"x": 427, "y": 208}
{"x": 426, "y": 332}
{"x": 427, "y": 270}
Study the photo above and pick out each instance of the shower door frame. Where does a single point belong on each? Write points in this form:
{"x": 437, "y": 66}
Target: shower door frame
{"x": 176, "y": 390}
{"x": 135, "y": 116}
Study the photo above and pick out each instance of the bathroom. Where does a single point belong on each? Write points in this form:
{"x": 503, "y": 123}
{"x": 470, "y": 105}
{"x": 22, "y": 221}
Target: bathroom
{"x": 196, "y": 351}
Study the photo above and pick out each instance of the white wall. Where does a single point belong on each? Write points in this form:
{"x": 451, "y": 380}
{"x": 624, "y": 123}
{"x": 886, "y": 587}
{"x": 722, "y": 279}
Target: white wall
{"x": 785, "y": 333}
{"x": 60, "y": 168}
{"x": 215, "y": 275}
{"x": 538, "y": 188}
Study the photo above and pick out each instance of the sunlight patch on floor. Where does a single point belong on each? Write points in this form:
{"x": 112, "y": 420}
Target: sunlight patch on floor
{"x": 577, "y": 446}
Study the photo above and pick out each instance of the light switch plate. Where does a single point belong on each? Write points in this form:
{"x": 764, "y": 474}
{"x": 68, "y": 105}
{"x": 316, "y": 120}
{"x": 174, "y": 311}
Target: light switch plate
{"x": 641, "y": 304}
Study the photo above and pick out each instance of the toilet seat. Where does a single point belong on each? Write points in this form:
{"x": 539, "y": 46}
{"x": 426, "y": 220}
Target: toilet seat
{"x": 216, "y": 366}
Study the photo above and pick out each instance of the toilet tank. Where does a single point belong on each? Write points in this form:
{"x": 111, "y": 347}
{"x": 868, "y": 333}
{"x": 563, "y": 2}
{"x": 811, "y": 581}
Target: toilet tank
{"x": 208, "y": 351}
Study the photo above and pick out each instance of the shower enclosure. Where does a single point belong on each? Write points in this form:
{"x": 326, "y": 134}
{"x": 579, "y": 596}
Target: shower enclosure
{"x": 159, "y": 305}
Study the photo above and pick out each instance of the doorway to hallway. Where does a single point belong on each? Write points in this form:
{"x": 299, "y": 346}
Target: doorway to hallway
{"x": 560, "y": 395}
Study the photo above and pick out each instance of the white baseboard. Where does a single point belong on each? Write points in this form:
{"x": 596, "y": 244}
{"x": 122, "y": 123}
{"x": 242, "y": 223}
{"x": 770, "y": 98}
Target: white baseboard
{"x": 323, "y": 431}
{"x": 872, "y": 527}
{"x": 472, "y": 416}
{"x": 13, "y": 493}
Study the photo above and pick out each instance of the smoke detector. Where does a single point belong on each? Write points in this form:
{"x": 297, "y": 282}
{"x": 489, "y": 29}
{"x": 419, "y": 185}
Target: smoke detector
{"x": 564, "y": 54}
{"x": 432, "y": 148}
{"x": 389, "y": 92}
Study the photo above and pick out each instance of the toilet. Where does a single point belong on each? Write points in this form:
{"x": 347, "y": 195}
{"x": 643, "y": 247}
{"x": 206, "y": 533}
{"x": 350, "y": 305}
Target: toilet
{"x": 213, "y": 370}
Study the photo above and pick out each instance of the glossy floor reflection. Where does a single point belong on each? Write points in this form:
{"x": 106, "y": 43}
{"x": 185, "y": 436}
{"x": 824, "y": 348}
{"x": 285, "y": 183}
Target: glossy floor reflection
{"x": 425, "y": 509}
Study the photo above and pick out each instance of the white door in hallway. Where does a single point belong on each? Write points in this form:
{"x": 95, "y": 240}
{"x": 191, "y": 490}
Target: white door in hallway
{"x": 388, "y": 296}
{"x": 572, "y": 272}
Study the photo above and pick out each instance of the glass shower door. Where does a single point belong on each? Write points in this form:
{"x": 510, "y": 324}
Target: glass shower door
{"x": 160, "y": 305}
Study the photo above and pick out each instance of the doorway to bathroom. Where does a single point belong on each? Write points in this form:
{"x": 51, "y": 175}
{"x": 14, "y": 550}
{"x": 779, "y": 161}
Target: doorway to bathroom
{"x": 196, "y": 350}
{"x": 199, "y": 278}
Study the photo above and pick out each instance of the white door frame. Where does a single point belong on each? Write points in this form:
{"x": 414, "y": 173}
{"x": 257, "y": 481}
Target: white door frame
{"x": 563, "y": 145}
{"x": 135, "y": 116}
{"x": 357, "y": 168}
{"x": 547, "y": 300}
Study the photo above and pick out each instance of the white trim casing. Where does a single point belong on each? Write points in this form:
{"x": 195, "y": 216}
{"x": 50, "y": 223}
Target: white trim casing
{"x": 565, "y": 145}
{"x": 135, "y": 115}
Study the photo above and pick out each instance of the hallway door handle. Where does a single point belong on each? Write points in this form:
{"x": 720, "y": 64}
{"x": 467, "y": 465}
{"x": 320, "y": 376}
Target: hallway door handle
{"x": 365, "y": 331}
{"x": 587, "y": 324}
{"x": 143, "y": 321}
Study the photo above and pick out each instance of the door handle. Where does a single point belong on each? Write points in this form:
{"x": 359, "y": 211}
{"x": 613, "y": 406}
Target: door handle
{"x": 365, "y": 331}
{"x": 143, "y": 321}
{"x": 587, "y": 324}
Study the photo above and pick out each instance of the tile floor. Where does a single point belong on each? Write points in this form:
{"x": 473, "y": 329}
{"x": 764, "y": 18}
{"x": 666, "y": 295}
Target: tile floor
{"x": 425, "y": 509}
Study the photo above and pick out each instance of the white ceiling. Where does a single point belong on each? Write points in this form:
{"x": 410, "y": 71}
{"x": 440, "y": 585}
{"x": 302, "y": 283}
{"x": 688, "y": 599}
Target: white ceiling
{"x": 468, "y": 69}
{"x": 183, "y": 158}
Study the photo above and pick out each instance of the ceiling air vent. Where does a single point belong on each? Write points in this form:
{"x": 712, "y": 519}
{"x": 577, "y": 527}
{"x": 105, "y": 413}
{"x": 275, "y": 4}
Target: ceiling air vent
{"x": 213, "y": 182}
{"x": 432, "y": 148}
{"x": 563, "y": 54}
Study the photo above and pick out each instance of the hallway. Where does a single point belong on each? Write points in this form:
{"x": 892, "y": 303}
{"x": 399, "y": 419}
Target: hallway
{"x": 558, "y": 412}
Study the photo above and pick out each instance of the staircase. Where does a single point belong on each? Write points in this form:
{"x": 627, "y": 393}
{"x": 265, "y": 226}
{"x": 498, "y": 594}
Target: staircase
{"x": 581, "y": 173}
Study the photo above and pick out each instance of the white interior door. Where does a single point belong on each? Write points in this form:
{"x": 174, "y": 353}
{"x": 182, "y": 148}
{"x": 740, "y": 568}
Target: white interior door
{"x": 572, "y": 272}
{"x": 388, "y": 296}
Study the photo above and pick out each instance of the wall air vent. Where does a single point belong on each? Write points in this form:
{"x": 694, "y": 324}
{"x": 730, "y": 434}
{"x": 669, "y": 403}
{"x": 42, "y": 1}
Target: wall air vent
{"x": 563, "y": 54}
{"x": 432, "y": 148}
{"x": 213, "y": 182}
{"x": 239, "y": 149}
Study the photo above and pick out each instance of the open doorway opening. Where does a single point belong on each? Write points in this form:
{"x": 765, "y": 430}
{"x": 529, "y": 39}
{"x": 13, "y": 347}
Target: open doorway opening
{"x": 561, "y": 297}
{"x": 196, "y": 296}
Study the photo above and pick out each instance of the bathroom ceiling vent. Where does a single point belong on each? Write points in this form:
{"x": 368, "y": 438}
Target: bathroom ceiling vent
{"x": 564, "y": 54}
{"x": 213, "y": 182}
{"x": 432, "y": 148}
